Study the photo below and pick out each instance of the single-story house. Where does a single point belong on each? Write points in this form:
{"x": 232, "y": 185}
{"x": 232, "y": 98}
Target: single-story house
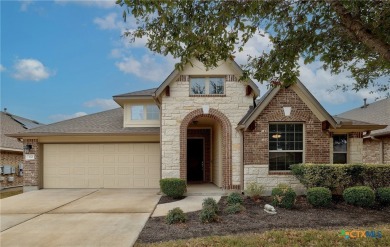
{"x": 376, "y": 143}
{"x": 11, "y": 150}
{"x": 200, "y": 125}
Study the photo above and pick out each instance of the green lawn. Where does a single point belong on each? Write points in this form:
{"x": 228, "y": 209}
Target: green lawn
{"x": 273, "y": 238}
{"x": 8, "y": 193}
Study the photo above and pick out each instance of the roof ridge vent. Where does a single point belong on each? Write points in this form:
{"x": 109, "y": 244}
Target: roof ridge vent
{"x": 365, "y": 103}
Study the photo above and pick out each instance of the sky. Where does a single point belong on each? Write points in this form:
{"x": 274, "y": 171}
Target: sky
{"x": 66, "y": 58}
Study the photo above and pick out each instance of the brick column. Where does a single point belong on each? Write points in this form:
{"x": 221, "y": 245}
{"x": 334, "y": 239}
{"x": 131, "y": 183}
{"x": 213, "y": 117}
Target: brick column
{"x": 31, "y": 171}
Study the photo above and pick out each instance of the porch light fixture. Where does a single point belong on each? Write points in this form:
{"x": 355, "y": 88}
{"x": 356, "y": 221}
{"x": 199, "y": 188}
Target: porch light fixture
{"x": 276, "y": 136}
{"x": 27, "y": 148}
{"x": 287, "y": 111}
{"x": 206, "y": 109}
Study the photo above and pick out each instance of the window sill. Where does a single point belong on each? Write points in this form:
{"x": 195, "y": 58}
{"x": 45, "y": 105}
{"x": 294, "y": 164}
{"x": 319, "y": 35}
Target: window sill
{"x": 279, "y": 173}
{"x": 207, "y": 95}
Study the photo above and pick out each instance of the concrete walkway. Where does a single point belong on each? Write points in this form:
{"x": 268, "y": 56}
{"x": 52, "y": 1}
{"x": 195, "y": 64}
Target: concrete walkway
{"x": 188, "y": 204}
{"x": 76, "y": 217}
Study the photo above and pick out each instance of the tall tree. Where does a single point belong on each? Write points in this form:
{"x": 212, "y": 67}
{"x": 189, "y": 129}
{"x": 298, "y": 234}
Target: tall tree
{"x": 344, "y": 35}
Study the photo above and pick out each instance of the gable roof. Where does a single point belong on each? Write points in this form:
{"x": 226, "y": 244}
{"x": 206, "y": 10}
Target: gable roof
{"x": 10, "y": 124}
{"x": 141, "y": 93}
{"x": 377, "y": 112}
{"x": 266, "y": 99}
{"x": 102, "y": 123}
{"x": 176, "y": 72}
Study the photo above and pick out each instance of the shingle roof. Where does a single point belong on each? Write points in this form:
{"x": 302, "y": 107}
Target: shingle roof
{"x": 146, "y": 92}
{"x": 10, "y": 124}
{"x": 377, "y": 112}
{"x": 342, "y": 121}
{"x": 102, "y": 123}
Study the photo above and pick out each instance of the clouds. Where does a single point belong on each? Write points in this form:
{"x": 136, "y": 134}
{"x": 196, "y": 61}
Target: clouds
{"x": 30, "y": 70}
{"x": 319, "y": 81}
{"x": 61, "y": 117}
{"x": 25, "y": 4}
{"x": 150, "y": 67}
{"x": 105, "y": 4}
{"x": 2, "y": 68}
{"x": 133, "y": 58}
{"x": 103, "y": 104}
{"x": 109, "y": 22}
{"x": 255, "y": 46}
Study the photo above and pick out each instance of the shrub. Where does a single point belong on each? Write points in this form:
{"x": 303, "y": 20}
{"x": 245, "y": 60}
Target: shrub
{"x": 319, "y": 196}
{"x": 173, "y": 187}
{"x": 383, "y": 195}
{"x": 234, "y": 208}
{"x": 208, "y": 214}
{"x": 234, "y": 198}
{"x": 175, "y": 215}
{"x": 283, "y": 196}
{"x": 361, "y": 196}
{"x": 338, "y": 177}
{"x": 254, "y": 190}
{"x": 211, "y": 203}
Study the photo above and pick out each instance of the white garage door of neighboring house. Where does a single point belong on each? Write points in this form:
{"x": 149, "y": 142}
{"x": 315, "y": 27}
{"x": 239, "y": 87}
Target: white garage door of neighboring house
{"x": 122, "y": 165}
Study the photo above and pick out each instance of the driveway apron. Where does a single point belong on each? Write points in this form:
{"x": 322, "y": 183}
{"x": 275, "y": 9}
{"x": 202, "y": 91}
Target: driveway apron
{"x": 76, "y": 217}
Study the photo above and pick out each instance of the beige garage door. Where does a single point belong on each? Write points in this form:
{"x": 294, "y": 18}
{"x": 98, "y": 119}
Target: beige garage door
{"x": 125, "y": 165}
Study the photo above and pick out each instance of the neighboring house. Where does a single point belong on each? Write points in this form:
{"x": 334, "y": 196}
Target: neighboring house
{"x": 199, "y": 125}
{"x": 376, "y": 144}
{"x": 11, "y": 150}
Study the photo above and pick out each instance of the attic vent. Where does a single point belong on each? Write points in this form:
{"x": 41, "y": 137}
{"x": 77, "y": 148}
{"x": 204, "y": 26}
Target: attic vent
{"x": 231, "y": 78}
{"x": 248, "y": 90}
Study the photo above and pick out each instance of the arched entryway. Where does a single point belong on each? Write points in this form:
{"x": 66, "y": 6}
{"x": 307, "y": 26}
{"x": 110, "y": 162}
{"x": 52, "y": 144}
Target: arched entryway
{"x": 225, "y": 139}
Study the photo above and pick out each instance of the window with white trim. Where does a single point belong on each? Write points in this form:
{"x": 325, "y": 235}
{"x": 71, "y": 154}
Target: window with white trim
{"x": 144, "y": 112}
{"x": 152, "y": 112}
{"x": 137, "y": 112}
{"x": 340, "y": 149}
{"x": 285, "y": 145}
{"x": 207, "y": 86}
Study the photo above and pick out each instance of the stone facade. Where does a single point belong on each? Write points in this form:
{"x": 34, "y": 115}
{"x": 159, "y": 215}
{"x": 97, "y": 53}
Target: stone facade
{"x": 179, "y": 104}
{"x": 355, "y": 148}
{"x": 256, "y": 150}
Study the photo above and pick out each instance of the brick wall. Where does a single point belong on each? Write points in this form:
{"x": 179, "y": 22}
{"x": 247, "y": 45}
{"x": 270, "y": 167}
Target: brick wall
{"x": 386, "y": 150}
{"x": 317, "y": 146}
{"x": 32, "y": 174}
{"x": 373, "y": 149}
{"x": 256, "y": 151}
{"x": 13, "y": 159}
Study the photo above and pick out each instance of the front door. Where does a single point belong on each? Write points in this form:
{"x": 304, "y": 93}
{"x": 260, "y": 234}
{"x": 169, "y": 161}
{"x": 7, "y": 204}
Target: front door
{"x": 195, "y": 162}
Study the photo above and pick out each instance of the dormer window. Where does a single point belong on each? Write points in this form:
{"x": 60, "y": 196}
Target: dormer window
{"x": 144, "y": 112}
{"x": 207, "y": 86}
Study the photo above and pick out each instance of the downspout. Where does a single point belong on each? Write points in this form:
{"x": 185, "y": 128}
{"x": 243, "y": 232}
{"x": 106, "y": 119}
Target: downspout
{"x": 242, "y": 160}
{"x": 160, "y": 107}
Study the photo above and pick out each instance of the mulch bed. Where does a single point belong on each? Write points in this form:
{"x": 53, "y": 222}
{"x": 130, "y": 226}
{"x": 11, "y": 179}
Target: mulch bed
{"x": 254, "y": 219}
{"x": 167, "y": 199}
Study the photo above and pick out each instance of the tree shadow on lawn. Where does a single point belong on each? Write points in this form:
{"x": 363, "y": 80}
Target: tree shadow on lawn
{"x": 254, "y": 219}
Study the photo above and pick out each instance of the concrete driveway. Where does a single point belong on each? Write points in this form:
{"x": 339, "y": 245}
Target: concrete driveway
{"x": 76, "y": 217}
